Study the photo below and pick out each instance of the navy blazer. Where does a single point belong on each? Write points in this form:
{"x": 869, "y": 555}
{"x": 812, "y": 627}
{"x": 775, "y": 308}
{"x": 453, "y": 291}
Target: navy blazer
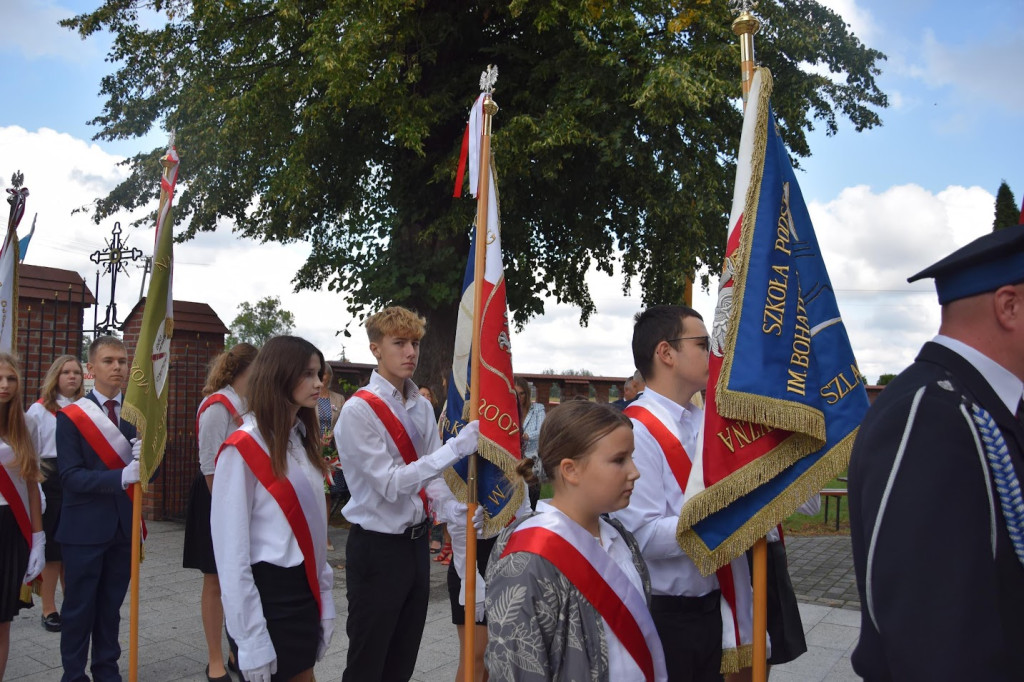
{"x": 95, "y": 504}
{"x": 946, "y": 608}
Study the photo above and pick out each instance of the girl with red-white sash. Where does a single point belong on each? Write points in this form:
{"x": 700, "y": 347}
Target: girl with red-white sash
{"x": 62, "y": 385}
{"x": 22, "y": 541}
{"x": 219, "y": 414}
{"x": 567, "y": 589}
{"x": 269, "y": 521}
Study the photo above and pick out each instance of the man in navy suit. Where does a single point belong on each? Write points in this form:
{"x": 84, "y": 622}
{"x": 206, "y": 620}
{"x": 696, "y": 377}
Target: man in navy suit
{"x": 95, "y": 458}
{"x": 935, "y": 512}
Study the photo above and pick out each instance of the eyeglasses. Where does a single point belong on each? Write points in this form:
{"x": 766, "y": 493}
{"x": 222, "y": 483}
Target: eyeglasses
{"x": 705, "y": 339}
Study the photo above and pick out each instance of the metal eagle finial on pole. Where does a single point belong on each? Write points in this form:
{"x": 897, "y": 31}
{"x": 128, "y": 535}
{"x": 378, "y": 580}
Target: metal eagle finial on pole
{"x": 746, "y": 25}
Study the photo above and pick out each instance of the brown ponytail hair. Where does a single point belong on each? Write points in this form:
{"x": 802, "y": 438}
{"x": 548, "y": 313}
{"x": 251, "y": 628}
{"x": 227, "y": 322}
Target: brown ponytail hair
{"x": 226, "y": 367}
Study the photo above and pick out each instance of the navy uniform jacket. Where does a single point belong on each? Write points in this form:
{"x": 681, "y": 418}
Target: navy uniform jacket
{"x": 946, "y": 594}
{"x": 94, "y": 502}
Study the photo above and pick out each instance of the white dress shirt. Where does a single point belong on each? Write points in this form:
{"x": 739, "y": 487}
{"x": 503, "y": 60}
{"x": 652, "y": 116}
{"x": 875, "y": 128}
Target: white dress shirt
{"x": 621, "y": 665}
{"x": 42, "y": 427}
{"x": 103, "y": 403}
{"x": 385, "y": 490}
{"x": 653, "y": 511}
{"x": 215, "y": 425}
{"x": 248, "y": 527}
{"x": 1004, "y": 382}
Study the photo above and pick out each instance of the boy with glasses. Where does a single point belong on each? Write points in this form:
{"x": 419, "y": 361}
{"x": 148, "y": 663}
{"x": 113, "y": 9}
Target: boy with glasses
{"x": 670, "y": 349}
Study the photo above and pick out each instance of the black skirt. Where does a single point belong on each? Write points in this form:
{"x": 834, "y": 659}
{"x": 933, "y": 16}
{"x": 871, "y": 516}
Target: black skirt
{"x": 483, "y": 554}
{"x": 54, "y": 492}
{"x": 198, "y": 551}
{"x": 13, "y": 564}
{"x": 293, "y": 620}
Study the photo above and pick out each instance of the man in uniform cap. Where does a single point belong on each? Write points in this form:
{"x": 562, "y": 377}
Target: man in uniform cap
{"x": 936, "y": 517}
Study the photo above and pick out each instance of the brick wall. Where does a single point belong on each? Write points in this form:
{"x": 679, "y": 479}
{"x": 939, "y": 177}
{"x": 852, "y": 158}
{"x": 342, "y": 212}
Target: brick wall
{"x": 191, "y": 353}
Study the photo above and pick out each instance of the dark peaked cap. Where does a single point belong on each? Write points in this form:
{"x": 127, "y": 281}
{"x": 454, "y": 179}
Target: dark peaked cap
{"x": 989, "y": 262}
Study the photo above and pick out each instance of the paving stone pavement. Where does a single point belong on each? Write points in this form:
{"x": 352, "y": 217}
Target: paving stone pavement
{"x": 172, "y": 647}
{"x": 821, "y": 568}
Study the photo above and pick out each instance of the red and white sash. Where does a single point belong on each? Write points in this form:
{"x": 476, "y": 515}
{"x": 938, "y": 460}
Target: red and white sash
{"x": 218, "y": 398}
{"x": 582, "y": 560}
{"x": 103, "y": 437}
{"x": 15, "y": 491}
{"x": 302, "y": 506}
{"x": 733, "y": 578}
{"x": 401, "y": 430}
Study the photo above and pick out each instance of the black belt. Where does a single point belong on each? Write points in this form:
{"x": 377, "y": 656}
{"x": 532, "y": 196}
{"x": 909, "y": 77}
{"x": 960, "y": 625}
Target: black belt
{"x": 410, "y": 533}
{"x": 678, "y": 604}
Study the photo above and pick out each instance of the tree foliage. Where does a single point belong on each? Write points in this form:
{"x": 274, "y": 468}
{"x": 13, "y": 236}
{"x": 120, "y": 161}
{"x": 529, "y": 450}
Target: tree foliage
{"x": 1007, "y": 211}
{"x": 338, "y": 122}
{"x": 884, "y": 379}
{"x": 256, "y": 324}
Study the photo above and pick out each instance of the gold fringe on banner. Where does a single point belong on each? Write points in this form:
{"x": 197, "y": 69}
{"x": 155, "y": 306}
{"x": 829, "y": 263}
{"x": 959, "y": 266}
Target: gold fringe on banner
{"x": 735, "y": 659}
{"x": 502, "y": 459}
{"x": 133, "y": 415}
{"x": 802, "y": 489}
{"x": 750, "y": 477}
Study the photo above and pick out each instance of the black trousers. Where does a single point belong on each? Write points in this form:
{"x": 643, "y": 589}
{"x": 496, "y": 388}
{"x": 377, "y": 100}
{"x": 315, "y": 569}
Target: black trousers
{"x": 690, "y": 629}
{"x": 388, "y": 587}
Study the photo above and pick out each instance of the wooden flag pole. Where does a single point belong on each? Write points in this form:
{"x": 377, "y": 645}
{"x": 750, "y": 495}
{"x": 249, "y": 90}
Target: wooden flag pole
{"x": 483, "y": 191}
{"x": 745, "y": 26}
{"x": 133, "y": 612}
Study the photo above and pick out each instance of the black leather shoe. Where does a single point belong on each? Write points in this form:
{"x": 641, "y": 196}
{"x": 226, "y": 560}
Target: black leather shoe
{"x": 52, "y": 622}
{"x": 233, "y": 666}
{"x": 226, "y": 677}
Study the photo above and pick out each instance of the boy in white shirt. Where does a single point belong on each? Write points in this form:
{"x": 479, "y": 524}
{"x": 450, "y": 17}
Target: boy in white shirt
{"x": 389, "y": 449}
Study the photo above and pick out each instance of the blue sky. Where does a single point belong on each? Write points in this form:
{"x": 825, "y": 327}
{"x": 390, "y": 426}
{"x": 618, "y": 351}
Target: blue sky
{"x": 885, "y": 202}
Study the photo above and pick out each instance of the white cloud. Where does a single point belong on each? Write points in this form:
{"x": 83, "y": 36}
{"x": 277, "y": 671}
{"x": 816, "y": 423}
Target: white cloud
{"x": 30, "y": 28}
{"x": 63, "y": 173}
{"x": 981, "y": 70}
{"x": 858, "y": 18}
{"x": 871, "y": 240}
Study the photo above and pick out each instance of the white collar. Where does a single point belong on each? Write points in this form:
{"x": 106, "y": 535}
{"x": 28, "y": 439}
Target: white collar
{"x": 1004, "y": 382}
{"x": 679, "y": 412}
{"x": 103, "y": 399}
{"x": 385, "y": 387}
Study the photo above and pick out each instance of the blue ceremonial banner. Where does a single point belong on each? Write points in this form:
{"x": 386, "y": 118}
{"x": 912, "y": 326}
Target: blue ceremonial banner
{"x": 785, "y": 397}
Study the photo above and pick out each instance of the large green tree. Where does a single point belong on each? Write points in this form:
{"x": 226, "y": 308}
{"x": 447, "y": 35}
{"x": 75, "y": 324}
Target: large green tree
{"x": 258, "y": 323}
{"x": 338, "y": 122}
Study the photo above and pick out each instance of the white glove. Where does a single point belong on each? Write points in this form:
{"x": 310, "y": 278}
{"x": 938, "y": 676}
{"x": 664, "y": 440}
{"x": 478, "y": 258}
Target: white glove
{"x": 36, "y": 557}
{"x": 455, "y": 512}
{"x": 479, "y": 612}
{"x": 130, "y": 474}
{"x": 262, "y": 673}
{"x": 466, "y": 442}
{"x": 136, "y": 449}
{"x": 326, "y": 633}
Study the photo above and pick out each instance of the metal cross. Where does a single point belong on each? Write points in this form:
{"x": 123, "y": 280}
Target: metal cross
{"x": 114, "y": 259}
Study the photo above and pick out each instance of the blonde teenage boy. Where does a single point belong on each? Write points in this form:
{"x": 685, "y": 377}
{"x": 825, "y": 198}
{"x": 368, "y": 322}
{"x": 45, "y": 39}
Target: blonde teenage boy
{"x": 389, "y": 448}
